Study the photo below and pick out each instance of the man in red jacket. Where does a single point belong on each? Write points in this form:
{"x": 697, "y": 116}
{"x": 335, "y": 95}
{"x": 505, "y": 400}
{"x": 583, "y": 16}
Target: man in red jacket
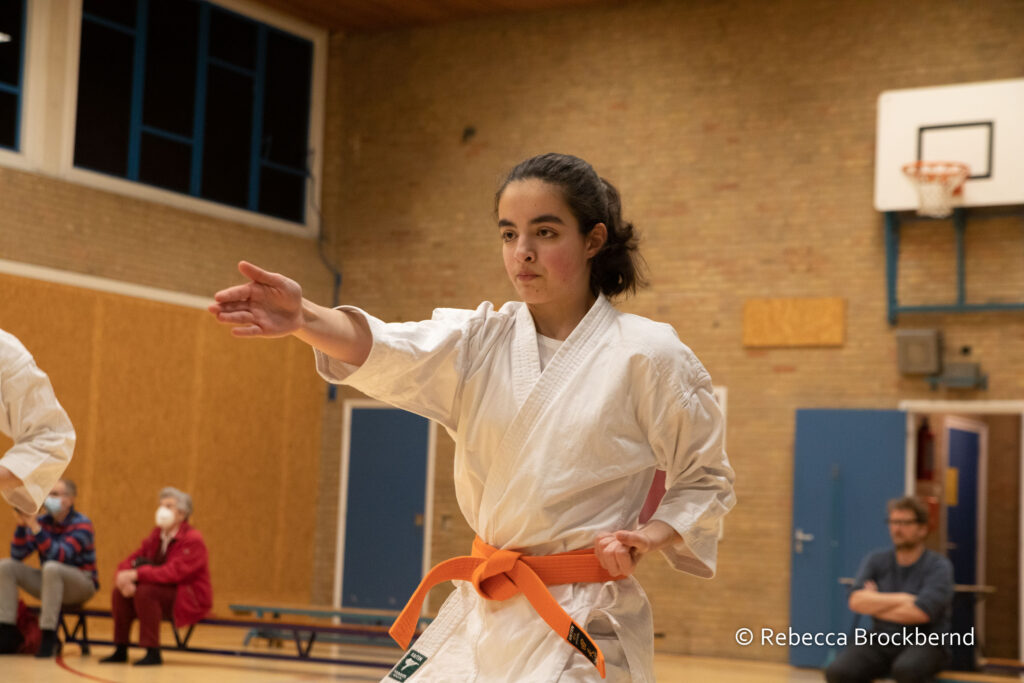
{"x": 167, "y": 576}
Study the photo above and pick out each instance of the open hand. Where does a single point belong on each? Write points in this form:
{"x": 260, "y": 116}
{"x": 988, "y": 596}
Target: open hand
{"x": 269, "y": 305}
{"x": 620, "y": 552}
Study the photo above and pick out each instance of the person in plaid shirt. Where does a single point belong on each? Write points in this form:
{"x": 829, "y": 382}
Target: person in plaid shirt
{"x": 63, "y": 539}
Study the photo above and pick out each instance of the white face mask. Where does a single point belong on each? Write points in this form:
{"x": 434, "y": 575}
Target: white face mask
{"x": 165, "y": 518}
{"x": 53, "y": 504}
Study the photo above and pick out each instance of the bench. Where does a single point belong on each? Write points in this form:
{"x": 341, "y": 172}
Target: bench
{"x": 304, "y": 635}
{"x": 364, "y": 626}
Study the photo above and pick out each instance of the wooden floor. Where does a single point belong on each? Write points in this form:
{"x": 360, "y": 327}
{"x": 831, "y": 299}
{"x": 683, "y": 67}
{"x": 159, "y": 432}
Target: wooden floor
{"x": 189, "y": 668}
{"x": 181, "y": 667}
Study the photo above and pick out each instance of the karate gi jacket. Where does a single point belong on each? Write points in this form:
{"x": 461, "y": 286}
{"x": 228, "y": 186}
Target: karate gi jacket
{"x": 547, "y": 460}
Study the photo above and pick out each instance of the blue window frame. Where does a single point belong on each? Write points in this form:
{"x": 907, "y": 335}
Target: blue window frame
{"x": 190, "y": 97}
{"x": 12, "y": 71}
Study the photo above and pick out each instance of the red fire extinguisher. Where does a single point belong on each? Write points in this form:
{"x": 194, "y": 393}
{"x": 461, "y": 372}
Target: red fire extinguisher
{"x": 925, "y": 452}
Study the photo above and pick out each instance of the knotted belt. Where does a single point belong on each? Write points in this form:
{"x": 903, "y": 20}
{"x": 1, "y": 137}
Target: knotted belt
{"x": 502, "y": 574}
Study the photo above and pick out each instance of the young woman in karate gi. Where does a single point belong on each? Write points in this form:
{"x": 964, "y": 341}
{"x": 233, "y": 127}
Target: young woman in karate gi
{"x": 561, "y": 408}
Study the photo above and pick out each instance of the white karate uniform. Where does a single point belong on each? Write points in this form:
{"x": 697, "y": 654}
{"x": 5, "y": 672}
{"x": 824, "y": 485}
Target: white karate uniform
{"x": 547, "y": 460}
{"x": 31, "y": 415}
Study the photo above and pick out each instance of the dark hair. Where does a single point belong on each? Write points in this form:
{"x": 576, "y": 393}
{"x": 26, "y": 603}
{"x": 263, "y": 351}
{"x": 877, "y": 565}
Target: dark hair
{"x": 912, "y": 504}
{"x": 616, "y": 268}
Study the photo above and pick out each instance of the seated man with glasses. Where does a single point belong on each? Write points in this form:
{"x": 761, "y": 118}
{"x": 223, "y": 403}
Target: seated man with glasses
{"x": 907, "y": 590}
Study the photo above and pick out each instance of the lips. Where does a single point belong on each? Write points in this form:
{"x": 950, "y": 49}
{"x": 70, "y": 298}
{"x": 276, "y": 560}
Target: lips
{"x": 526, "y": 277}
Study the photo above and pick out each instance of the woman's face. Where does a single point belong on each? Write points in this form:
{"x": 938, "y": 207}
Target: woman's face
{"x": 171, "y": 504}
{"x": 546, "y": 256}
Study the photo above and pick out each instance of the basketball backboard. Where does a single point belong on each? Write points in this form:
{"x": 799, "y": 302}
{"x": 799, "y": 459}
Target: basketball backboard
{"x": 980, "y": 124}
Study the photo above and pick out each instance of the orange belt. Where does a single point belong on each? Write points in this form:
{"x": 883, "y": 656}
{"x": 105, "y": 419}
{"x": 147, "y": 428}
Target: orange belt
{"x": 501, "y": 574}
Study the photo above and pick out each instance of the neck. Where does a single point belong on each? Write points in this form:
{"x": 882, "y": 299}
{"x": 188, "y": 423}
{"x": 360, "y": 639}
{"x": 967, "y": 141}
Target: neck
{"x": 61, "y": 516}
{"x": 171, "y": 531}
{"x": 558, "y": 319}
{"x": 910, "y": 555}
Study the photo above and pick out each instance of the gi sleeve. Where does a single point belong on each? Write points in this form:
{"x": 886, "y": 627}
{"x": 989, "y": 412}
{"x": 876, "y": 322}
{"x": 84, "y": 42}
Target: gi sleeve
{"x": 936, "y": 594}
{"x": 687, "y": 433}
{"x": 415, "y": 366}
{"x": 43, "y": 436}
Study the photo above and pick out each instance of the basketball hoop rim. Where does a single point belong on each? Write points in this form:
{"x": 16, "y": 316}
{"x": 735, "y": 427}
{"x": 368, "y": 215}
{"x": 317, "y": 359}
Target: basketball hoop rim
{"x": 950, "y": 173}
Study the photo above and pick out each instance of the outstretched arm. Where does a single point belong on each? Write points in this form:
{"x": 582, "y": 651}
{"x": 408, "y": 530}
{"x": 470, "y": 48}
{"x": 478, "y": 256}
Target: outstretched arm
{"x": 272, "y": 305}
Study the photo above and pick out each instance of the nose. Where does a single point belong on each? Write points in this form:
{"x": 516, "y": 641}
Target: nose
{"x": 525, "y": 251}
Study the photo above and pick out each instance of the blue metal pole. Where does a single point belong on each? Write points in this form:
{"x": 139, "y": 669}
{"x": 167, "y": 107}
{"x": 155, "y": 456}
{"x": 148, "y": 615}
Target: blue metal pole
{"x": 256, "y": 155}
{"x": 960, "y": 226}
{"x": 892, "y": 258}
{"x": 199, "y": 107}
{"x": 21, "y": 77}
{"x": 138, "y": 86}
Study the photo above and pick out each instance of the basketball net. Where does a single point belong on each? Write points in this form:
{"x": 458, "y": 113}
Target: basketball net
{"x": 936, "y": 182}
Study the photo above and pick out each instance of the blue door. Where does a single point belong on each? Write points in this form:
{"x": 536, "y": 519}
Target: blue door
{"x": 384, "y": 522}
{"x": 962, "y": 533}
{"x": 847, "y": 464}
{"x": 962, "y": 512}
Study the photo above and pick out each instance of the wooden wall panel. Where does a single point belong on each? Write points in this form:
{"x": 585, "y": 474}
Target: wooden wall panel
{"x": 299, "y": 475}
{"x": 794, "y": 322}
{"x": 162, "y": 395}
{"x": 240, "y": 436}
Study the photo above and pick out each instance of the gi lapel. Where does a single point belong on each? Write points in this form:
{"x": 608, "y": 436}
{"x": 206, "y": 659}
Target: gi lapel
{"x": 533, "y": 392}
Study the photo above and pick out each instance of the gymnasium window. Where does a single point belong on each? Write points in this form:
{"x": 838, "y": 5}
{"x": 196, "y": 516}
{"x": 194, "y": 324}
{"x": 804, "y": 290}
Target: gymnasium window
{"x": 12, "y": 53}
{"x": 191, "y": 97}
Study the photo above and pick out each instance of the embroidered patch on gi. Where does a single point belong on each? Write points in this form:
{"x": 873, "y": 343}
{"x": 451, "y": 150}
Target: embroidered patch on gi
{"x": 409, "y": 664}
{"x": 578, "y": 639}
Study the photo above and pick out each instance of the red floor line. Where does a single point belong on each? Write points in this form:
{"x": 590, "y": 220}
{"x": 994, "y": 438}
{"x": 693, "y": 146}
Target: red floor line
{"x": 62, "y": 664}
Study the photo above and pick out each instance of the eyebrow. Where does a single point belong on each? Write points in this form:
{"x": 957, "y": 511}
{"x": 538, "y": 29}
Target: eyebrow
{"x": 546, "y": 218}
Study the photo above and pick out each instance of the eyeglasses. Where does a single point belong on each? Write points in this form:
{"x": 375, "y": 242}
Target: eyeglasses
{"x": 901, "y": 522}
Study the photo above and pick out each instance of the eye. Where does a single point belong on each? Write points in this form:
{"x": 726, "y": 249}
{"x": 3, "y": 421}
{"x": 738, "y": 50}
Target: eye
{"x": 507, "y": 235}
{"x": 546, "y": 232}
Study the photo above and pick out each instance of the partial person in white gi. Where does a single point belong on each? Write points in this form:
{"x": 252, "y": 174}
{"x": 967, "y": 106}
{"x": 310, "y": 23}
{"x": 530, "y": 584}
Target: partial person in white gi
{"x": 42, "y": 433}
{"x": 561, "y": 408}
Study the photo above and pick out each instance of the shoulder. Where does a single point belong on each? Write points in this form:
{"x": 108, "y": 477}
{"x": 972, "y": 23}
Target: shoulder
{"x": 934, "y": 560}
{"x": 655, "y": 348}
{"x": 13, "y": 354}
{"x": 479, "y": 327}
{"x": 485, "y": 313}
{"x": 79, "y": 519}
{"x": 193, "y": 536}
{"x": 882, "y": 557}
{"x": 79, "y": 522}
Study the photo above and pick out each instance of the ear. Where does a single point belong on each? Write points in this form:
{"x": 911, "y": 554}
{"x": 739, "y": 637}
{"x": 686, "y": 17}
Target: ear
{"x": 595, "y": 239}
